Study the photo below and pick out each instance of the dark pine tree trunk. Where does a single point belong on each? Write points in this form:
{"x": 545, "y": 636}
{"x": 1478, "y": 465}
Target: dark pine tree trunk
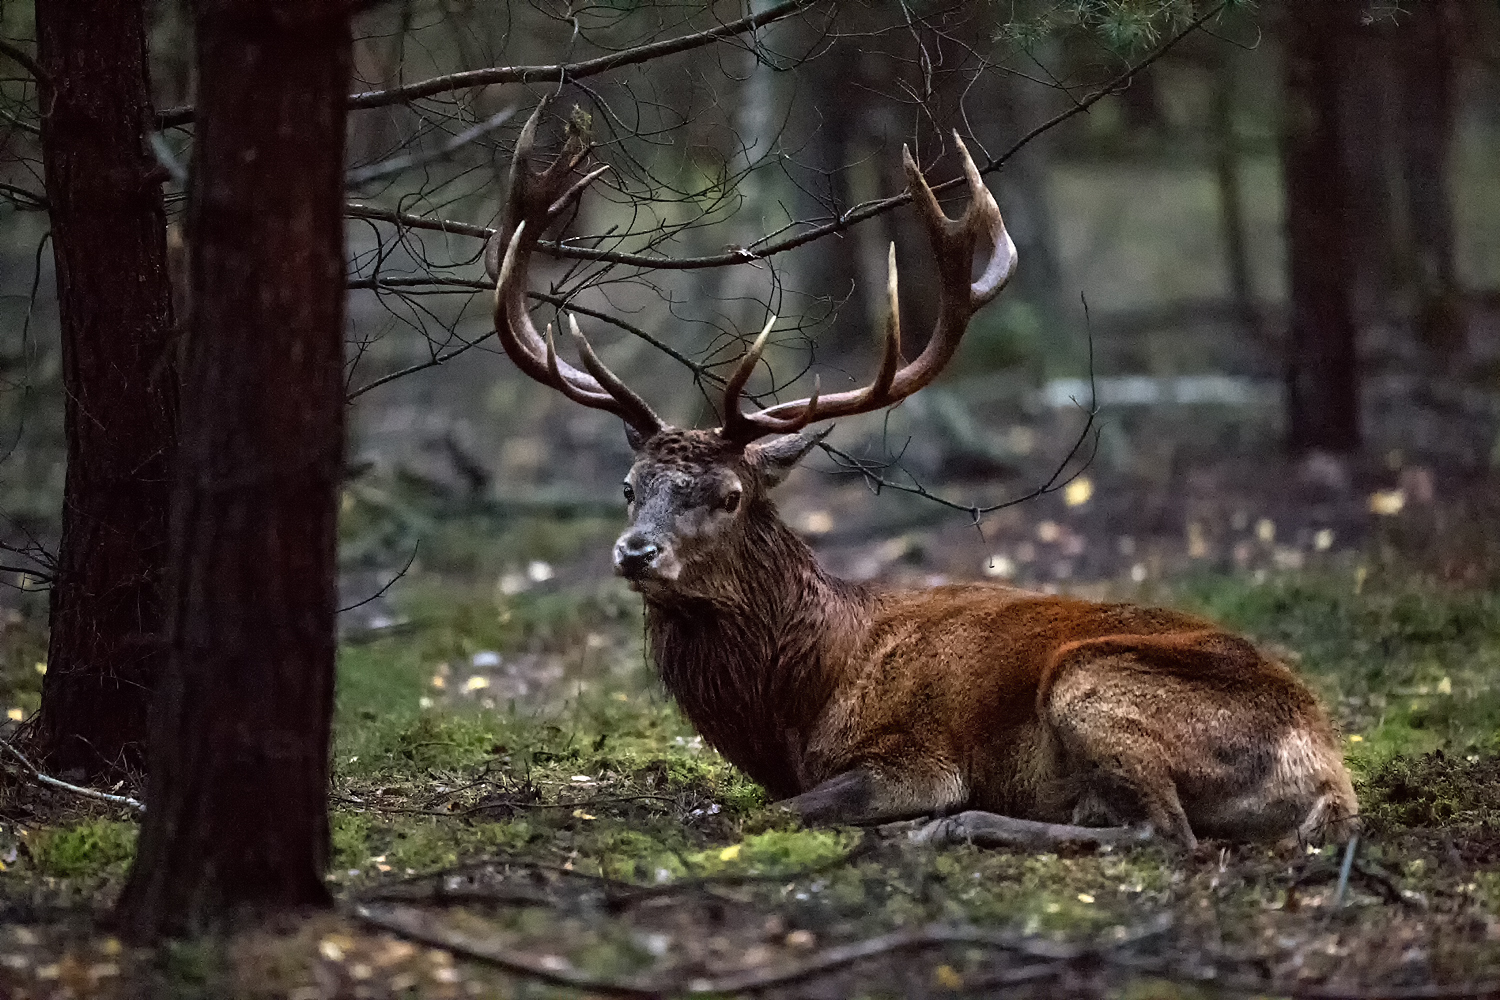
{"x": 1322, "y": 370}
{"x": 108, "y": 239}
{"x": 237, "y": 819}
{"x": 1428, "y": 54}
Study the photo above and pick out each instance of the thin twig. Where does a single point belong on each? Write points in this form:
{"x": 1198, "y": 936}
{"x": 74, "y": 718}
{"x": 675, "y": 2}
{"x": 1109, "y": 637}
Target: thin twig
{"x": 553, "y": 971}
{"x": 23, "y": 59}
{"x": 549, "y": 72}
{"x": 407, "y": 161}
{"x": 1060, "y": 478}
{"x": 388, "y": 584}
{"x": 26, "y": 201}
{"x": 698, "y": 370}
{"x": 51, "y": 782}
{"x": 760, "y": 249}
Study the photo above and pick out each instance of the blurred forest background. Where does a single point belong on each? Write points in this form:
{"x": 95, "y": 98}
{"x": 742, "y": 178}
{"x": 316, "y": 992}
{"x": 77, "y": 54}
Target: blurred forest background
{"x": 1249, "y": 365}
{"x": 1154, "y": 255}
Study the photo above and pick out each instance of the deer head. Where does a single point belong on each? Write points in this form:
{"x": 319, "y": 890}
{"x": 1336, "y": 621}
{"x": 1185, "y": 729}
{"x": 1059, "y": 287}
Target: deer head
{"x": 699, "y": 500}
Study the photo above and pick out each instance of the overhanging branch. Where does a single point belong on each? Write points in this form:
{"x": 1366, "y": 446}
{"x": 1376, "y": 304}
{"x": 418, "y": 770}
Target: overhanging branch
{"x": 550, "y": 72}
{"x": 845, "y": 221}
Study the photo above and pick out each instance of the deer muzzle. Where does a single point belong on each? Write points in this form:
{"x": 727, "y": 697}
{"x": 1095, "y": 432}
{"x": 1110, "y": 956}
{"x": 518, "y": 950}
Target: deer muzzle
{"x": 637, "y": 557}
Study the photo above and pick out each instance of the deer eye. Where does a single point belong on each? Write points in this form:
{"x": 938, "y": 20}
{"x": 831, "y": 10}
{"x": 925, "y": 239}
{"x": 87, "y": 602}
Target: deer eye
{"x": 629, "y": 493}
{"x": 731, "y": 500}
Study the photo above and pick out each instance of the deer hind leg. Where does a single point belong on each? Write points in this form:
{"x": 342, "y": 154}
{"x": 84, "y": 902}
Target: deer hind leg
{"x": 1116, "y": 749}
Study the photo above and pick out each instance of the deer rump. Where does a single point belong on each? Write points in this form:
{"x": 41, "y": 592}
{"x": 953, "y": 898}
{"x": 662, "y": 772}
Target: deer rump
{"x": 1015, "y": 717}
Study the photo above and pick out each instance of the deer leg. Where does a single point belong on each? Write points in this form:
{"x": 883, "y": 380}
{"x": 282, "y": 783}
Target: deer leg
{"x": 864, "y": 797}
{"x": 985, "y": 829}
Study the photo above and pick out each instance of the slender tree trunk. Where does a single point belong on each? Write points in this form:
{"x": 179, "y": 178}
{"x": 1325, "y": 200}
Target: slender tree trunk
{"x": 1322, "y": 371}
{"x": 108, "y": 239}
{"x": 1226, "y": 157}
{"x": 1427, "y": 51}
{"x": 237, "y": 818}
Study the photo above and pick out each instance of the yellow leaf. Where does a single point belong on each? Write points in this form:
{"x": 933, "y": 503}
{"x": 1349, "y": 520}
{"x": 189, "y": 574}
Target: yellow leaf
{"x": 1078, "y": 492}
{"x": 580, "y": 814}
{"x": 948, "y": 978}
{"x": 1084, "y": 897}
{"x": 15, "y": 715}
{"x": 1356, "y": 738}
{"x": 730, "y": 853}
{"x": 476, "y": 683}
{"x": 41, "y": 667}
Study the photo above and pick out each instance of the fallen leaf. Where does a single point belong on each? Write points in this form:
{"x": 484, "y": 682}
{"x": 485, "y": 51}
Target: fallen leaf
{"x": 730, "y": 853}
{"x": 1084, "y": 897}
{"x": 947, "y": 977}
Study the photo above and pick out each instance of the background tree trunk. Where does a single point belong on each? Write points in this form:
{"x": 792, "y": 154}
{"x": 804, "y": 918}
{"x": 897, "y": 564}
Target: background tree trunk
{"x": 1428, "y": 56}
{"x": 237, "y": 805}
{"x": 109, "y": 242}
{"x": 1322, "y": 370}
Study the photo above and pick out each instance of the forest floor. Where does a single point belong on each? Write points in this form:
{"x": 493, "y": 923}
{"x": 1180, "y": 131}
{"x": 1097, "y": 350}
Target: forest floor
{"x": 518, "y": 809}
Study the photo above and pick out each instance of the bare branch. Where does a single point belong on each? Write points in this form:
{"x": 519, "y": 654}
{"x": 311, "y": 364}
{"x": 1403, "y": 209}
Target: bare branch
{"x": 21, "y": 58}
{"x": 845, "y": 221}
{"x": 51, "y": 782}
{"x": 550, "y": 72}
{"x": 22, "y": 199}
{"x": 406, "y": 161}
{"x": 410, "y": 926}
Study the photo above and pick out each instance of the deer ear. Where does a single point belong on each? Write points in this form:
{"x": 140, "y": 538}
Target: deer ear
{"x": 636, "y": 438}
{"x": 776, "y": 457}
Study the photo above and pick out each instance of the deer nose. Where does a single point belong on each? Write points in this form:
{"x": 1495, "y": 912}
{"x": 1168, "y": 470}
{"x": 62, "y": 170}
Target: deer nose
{"x": 634, "y": 554}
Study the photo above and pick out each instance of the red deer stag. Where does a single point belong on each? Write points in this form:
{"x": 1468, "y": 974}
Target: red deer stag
{"x": 1031, "y": 714}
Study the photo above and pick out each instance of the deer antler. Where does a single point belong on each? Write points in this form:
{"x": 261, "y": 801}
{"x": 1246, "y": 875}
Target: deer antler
{"x": 536, "y": 200}
{"x": 954, "y": 242}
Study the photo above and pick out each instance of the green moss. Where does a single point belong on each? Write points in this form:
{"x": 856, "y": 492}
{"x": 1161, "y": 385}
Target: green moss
{"x": 91, "y": 848}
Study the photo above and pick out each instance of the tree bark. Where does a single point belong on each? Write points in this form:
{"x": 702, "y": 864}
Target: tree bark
{"x": 236, "y": 821}
{"x": 1322, "y": 369}
{"x": 1428, "y": 60}
{"x": 108, "y": 241}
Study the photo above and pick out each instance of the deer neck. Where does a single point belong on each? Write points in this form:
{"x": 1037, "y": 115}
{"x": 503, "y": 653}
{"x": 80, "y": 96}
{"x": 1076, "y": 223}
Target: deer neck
{"x": 754, "y": 655}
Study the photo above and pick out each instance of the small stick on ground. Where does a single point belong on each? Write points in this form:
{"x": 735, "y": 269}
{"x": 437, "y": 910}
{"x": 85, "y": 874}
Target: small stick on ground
{"x": 48, "y": 781}
{"x": 413, "y": 927}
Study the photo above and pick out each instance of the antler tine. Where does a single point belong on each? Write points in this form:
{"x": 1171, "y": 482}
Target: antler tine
{"x": 561, "y": 384}
{"x": 891, "y": 357}
{"x": 534, "y": 202}
{"x": 610, "y": 382}
{"x": 954, "y": 243}
{"x": 983, "y": 218}
{"x": 736, "y": 424}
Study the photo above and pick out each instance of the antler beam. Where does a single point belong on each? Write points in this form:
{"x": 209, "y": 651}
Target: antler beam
{"x": 954, "y": 243}
{"x": 535, "y": 201}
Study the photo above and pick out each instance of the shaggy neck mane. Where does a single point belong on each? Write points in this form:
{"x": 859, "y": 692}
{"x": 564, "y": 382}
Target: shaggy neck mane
{"x": 752, "y": 658}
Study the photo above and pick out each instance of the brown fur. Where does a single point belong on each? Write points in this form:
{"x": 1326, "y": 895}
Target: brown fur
{"x": 866, "y": 705}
